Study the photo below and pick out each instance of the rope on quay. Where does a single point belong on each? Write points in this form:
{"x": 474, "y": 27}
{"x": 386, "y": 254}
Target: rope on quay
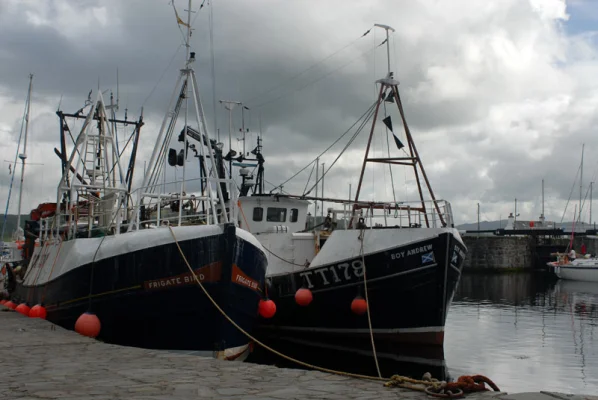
{"x": 430, "y": 386}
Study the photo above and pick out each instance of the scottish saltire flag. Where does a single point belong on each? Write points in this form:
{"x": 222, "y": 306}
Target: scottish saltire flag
{"x": 455, "y": 258}
{"x": 428, "y": 258}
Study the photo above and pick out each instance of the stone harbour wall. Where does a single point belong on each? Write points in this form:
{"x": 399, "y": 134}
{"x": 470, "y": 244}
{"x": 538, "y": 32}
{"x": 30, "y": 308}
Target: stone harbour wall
{"x": 499, "y": 252}
{"x": 517, "y": 252}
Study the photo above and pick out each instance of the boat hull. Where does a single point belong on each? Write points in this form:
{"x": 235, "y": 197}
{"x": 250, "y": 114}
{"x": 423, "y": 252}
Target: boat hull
{"x": 580, "y": 272}
{"x": 410, "y": 288}
{"x": 147, "y": 297}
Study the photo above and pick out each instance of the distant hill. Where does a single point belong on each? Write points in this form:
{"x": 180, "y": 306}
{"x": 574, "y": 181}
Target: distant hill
{"x": 11, "y": 224}
{"x": 493, "y": 225}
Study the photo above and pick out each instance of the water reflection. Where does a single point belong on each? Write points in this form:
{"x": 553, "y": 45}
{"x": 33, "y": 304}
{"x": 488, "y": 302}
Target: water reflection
{"x": 525, "y": 332}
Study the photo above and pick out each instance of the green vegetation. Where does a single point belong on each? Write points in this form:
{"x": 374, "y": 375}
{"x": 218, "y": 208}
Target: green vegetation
{"x": 11, "y": 224}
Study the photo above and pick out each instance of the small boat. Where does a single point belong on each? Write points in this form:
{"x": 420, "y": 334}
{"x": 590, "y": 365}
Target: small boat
{"x": 583, "y": 268}
{"x": 133, "y": 258}
{"x": 572, "y": 267}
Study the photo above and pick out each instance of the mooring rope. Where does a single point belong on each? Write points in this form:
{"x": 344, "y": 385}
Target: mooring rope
{"x": 250, "y": 337}
{"x": 432, "y": 387}
{"x": 361, "y": 238}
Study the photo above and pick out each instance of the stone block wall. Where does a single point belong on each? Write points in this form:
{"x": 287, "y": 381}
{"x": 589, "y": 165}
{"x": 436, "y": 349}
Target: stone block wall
{"x": 496, "y": 252}
{"x": 590, "y": 241}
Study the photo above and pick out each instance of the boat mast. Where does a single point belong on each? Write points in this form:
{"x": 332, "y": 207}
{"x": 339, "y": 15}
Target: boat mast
{"x": 581, "y": 182}
{"x": 187, "y": 88}
{"x": 229, "y": 105}
{"x": 591, "y": 188}
{"x": 413, "y": 160}
{"x": 23, "y": 155}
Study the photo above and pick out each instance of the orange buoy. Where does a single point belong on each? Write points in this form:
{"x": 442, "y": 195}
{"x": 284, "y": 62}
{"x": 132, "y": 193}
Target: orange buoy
{"x": 359, "y": 305}
{"x": 10, "y": 305}
{"x": 267, "y": 308}
{"x": 38, "y": 311}
{"x": 303, "y": 297}
{"x": 88, "y": 324}
{"x": 23, "y": 309}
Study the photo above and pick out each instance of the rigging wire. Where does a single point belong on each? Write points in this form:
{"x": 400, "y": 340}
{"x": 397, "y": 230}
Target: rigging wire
{"x": 329, "y": 147}
{"x": 308, "y": 179}
{"x": 320, "y": 78}
{"x": 162, "y": 75}
{"x": 276, "y": 186}
{"x": 12, "y": 176}
{"x": 285, "y": 81}
{"x": 349, "y": 143}
{"x": 571, "y": 193}
{"x": 394, "y": 195}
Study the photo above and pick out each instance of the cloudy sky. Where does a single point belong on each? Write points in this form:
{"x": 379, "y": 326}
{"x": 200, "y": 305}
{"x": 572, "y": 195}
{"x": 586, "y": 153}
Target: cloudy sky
{"x": 498, "y": 94}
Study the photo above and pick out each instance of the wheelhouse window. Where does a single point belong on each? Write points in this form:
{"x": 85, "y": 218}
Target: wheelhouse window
{"x": 258, "y": 213}
{"x": 294, "y": 214}
{"x": 276, "y": 214}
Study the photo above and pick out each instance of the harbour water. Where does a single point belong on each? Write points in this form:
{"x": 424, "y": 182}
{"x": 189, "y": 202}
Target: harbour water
{"x": 526, "y": 332}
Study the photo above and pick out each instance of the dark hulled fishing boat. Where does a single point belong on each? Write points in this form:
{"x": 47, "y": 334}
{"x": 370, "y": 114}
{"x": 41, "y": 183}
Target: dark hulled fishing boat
{"x": 114, "y": 252}
{"x": 398, "y": 261}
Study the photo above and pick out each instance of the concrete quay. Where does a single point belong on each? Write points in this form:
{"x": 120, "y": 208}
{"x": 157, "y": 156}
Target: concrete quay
{"x": 39, "y": 360}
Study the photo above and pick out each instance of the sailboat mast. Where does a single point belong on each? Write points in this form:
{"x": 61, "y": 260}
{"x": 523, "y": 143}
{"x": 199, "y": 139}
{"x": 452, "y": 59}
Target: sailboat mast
{"x": 23, "y": 155}
{"x": 229, "y": 105}
{"x": 542, "y": 197}
{"x": 581, "y": 182}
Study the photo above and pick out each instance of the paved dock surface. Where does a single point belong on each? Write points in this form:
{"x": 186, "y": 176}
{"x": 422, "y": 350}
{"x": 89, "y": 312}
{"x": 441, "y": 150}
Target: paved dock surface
{"x": 39, "y": 360}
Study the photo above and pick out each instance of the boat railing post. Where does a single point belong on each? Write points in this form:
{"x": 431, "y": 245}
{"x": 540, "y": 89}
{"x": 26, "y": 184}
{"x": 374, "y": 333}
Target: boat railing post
{"x": 138, "y": 209}
{"x": 234, "y": 209}
{"x": 384, "y": 210}
{"x": 158, "y": 208}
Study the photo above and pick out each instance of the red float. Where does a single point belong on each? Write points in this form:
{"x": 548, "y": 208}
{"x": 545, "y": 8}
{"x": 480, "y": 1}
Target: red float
{"x": 2, "y": 301}
{"x": 303, "y": 297}
{"x": 38, "y": 311}
{"x": 23, "y": 309}
{"x": 10, "y": 305}
{"x": 531, "y": 224}
{"x": 359, "y": 306}
{"x": 267, "y": 308}
{"x": 88, "y": 324}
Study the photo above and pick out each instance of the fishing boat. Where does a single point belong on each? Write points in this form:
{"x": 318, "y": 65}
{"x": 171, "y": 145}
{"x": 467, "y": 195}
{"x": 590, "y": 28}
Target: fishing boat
{"x": 369, "y": 268}
{"x": 136, "y": 260}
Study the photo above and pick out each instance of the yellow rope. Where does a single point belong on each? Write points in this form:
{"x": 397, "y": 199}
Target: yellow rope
{"x": 243, "y": 214}
{"x": 250, "y": 337}
{"x": 367, "y": 301}
{"x": 395, "y": 380}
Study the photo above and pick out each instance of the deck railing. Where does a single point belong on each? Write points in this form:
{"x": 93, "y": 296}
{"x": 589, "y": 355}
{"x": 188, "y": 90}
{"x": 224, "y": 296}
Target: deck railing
{"x": 155, "y": 208}
{"x": 429, "y": 214}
